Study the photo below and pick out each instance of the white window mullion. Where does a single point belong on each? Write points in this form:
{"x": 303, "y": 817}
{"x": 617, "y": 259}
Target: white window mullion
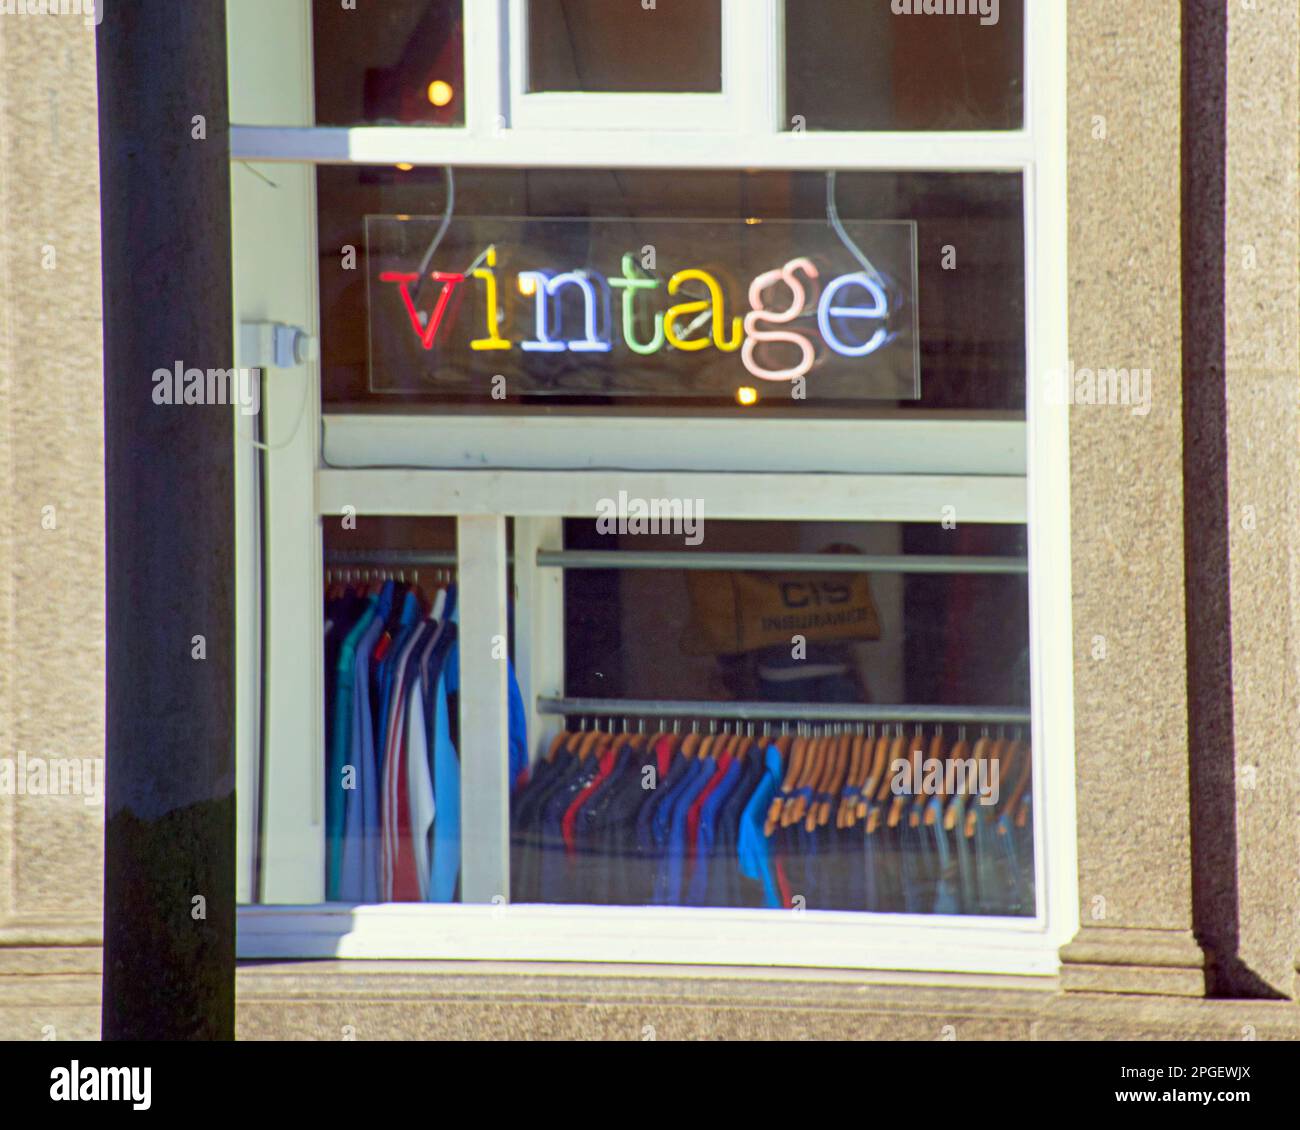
{"x": 484, "y": 734}
{"x": 274, "y": 268}
{"x": 1050, "y": 591}
{"x": 486, "y": 109}
{"x": 539, "y": 625}
{"x": 753, "y": 63}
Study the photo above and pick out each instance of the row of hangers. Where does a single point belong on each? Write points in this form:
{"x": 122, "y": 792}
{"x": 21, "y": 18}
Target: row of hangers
{"x": 861, "y": 764}
{"x": 826, "y": 761}
{"x": 337, "y": 581}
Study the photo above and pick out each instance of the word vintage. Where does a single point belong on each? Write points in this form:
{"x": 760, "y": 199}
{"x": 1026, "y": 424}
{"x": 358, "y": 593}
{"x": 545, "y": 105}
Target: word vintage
{"x": 665, "y": 308}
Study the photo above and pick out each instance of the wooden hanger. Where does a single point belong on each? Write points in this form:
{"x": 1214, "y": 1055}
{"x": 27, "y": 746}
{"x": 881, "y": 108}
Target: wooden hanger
{"x": 935, "y": 812}
{"x": 839, "y": 773}
{"x": 897, "y": 750}
{"x": 556, "y": 743}
{"x": 690, "y": 743}
{"x": 811, "y": 772}
{"x": 878, "y": 755}
{"x": 589, "y": 743}
{"x": 813, "y": 819}
{"x": 793, "y": 767}
{"x": 851, "y": 782}
{"x": 1026, "y": 763}
{"x": 983, "y": 749}
{"x": 959, "y": 752}
{"x": 791, "y": 809}
{"x": 921, "y": 809}
{"x": 914, "y": 744}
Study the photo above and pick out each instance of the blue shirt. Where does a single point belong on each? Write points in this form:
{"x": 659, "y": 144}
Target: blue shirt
{"x": 670, "y": 885}
{"x": 340, "y": 751}
{"x": 755, "y": 848}
{"x": 698, "y": 892}
{"x": 359, "y": 865}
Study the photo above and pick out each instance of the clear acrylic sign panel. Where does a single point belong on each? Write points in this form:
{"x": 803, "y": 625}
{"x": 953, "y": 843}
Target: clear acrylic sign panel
{"x": 497, "y": 307}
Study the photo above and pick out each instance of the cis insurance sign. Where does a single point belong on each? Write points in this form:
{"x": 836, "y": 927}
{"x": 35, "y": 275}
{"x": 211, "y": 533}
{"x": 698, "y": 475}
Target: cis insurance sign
{"x": 500, "y": 308}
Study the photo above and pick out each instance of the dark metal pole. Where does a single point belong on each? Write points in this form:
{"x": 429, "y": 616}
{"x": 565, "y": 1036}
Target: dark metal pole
{"x": 169, "y": 872}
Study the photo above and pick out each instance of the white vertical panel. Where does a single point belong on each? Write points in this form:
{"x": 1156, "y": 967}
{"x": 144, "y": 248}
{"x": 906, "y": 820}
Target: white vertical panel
{"x": 539, "y": 626}
{"x": 753, "y": 59}
{"x": 486, "y": 111}
{"x": 1050, "y": 604}
{"x": 274, "y": 223}
{"x": 484, "y": 751}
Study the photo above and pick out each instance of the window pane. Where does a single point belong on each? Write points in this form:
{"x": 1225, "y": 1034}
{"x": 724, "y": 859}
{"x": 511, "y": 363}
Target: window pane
{"x": 944, "y": 827}
{"x": 893, "y": 65}
{"x": 968, "y": 295}
{"x": 397, "y": 62}
{"x": 609, "y": 46}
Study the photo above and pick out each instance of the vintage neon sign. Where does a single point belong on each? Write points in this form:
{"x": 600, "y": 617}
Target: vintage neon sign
{"x": 661, "y": 307}
{"x": 744, "y": 334}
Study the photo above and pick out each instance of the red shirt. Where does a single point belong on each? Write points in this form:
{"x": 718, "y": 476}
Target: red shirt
{"x": 693, "y": 813}
{"x": 571, "y": 813}
{"x": 664, "y": 756}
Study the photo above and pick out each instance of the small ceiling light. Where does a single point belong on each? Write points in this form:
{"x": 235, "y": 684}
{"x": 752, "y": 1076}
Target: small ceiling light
{"x": 440, "y": 93}
{"x": 404, "y": 166}
{"x": 527, "y": 285}
{"x": 746, "y": 396}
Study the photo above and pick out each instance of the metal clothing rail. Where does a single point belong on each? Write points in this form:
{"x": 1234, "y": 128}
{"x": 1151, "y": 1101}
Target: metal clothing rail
{"x": 772, "y": 562}
{"x": 784, "y": 711}
{"x": 395, "y": 557}
{"x": 673, "y": 559}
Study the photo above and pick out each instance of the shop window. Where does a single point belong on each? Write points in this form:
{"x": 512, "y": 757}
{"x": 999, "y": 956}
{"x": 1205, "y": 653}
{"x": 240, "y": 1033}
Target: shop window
{"x": 636, "y": 277}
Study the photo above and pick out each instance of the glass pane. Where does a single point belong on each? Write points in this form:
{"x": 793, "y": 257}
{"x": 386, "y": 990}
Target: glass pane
{"x": 389, "y": 63}
{"x": 967, "y": 295}
{"x": 392, "y": 720}
{"x": 613, "y": 46}
{"x": 904, "y": 64}
{"x": 934, "y": 821}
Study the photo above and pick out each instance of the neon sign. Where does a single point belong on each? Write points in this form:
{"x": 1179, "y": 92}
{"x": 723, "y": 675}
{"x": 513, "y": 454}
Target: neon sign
{"x": 687, "y": 308}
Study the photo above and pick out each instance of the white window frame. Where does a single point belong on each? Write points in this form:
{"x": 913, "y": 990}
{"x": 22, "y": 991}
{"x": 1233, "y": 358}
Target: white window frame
{"x": 745, "y": 29}
{"x": 992, "y": 470}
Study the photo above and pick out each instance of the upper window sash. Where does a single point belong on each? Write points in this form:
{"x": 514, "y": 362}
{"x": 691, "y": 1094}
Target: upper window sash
{"x": 741, "y": 128}
{"x": 749, "y": 101}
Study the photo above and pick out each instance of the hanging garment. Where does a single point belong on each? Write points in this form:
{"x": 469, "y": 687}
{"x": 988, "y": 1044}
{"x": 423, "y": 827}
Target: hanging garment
{"x": 359, "y": 879}
{"x": 444, "y": 872}
{"x": 755, "y": 848}
{"x": 340, "y": 751}
{"x": 708, "y": 836}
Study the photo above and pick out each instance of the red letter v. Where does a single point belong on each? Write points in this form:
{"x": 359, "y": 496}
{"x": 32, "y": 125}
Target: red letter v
{"x": 426, "y": 333}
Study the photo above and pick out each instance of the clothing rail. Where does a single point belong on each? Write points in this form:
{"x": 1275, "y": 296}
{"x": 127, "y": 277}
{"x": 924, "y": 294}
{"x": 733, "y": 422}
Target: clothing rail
{"x": 774, "y": 562}
{"x": 445, "y": 558}
{"x": 673, "y": 559}
{"x": 784, "y": 711}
